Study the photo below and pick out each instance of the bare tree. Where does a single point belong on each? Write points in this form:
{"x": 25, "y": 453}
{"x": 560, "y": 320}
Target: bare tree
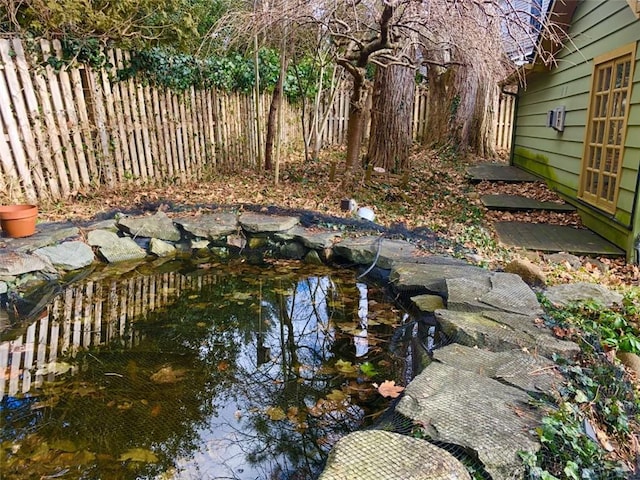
{"x": 459, "y": 43}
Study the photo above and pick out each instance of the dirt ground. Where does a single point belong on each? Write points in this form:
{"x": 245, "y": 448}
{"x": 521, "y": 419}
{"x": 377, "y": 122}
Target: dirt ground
{"x": 434, "y": 195}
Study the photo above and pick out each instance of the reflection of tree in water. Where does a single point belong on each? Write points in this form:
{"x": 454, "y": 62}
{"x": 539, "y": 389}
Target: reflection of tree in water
{"x": 292, "y": 407}
{"x": 266, "y": 344}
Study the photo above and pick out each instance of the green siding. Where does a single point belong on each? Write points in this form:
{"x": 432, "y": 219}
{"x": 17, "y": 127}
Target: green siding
{"x": 598, "y": 27}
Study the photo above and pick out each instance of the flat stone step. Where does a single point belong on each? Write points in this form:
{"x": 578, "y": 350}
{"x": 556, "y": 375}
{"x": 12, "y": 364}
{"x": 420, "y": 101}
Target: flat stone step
{"x": 499, "y": 172}
{"x": 555, "y": 238}
{"x": 517, "y": 203}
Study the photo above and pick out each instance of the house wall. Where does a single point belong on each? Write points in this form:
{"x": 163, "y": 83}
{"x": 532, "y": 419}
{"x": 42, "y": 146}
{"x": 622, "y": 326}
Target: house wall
{"x": 598, "y": 27}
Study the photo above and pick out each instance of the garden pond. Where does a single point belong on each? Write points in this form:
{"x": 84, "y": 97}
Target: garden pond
{"x": 197, "y": 368}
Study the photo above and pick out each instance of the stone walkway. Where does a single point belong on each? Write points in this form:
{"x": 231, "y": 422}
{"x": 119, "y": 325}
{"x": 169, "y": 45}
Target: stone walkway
{"x": 476, "y": 392}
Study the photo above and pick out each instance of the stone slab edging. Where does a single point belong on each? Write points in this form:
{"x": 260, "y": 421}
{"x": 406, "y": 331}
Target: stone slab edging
{"x": 471, "y": 396}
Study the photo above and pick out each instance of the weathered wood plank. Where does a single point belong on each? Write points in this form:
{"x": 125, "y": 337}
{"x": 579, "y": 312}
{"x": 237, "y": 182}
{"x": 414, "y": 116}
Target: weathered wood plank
{"x": 61, "y": 119}
{"x": 97, "y": 116}
{"x": 9, "y": 180}
{"x": 69, "y": 103}
{"x": 160, "y": 158}
{"x": 152, "y": 136}
{"x": 15, "y": 89}
{"x": 115, "y": 126}
{"x": 146, "y": 127}
{"x": 18, "y": 157}
{"x": 123, "y": 109}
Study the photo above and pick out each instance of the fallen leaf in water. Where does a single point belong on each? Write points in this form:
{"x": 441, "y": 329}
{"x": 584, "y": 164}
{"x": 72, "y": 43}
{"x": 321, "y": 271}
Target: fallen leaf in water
{"x": 64, "y": 445}
{"x": 368, "y": 369}
{"x": 346, "y": 368}
{"x": 337, "y": 396}
{"x": 275, "y": 413}
{"x": 168, "y": 375}
{"x": 139, "y": 455}
{"x": 388, "y": 388}
{"x": 155, "y": 411}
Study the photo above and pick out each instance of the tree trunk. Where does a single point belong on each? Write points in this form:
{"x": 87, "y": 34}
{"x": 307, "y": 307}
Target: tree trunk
{"x": 357, "y": 104}
{"x": 391, "y": 118}
{"x": 272, "y": 125}
{"x": 461, "y": 103}
{"x": 439, "y": 125}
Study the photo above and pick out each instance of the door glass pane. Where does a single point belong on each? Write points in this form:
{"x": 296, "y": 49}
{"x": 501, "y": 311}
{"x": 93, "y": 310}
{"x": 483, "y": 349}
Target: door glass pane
{"x": 619, "y": 75}
{"x": 616, "y": 104}
{"x": 596, "y": 158}
{"x": 627, "y": 71}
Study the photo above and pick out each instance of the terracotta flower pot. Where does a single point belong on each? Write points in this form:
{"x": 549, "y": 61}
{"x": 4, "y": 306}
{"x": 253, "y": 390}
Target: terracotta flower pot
{"x": 18, "y": 220}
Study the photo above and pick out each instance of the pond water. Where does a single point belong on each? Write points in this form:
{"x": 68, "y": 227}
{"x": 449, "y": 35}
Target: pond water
{"x": 196, "y": 370}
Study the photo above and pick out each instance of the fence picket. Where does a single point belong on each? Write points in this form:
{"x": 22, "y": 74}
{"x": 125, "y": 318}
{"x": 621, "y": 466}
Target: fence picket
{"x": 116, "y": 129}
{"x": 146, "y": 139}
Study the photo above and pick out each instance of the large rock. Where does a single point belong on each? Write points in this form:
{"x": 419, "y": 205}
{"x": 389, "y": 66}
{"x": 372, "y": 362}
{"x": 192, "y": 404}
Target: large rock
{"x": 363, "y": 251}
{"x": 500, "y": 291}
{"x": 121, "y": 249}
{"x": 428, "y": 303}
{"x": 511, "y": 294}
{"x": 211, "y": 226}
{"x": 531, "y": 373}
{"x": 463, "y": 294}
{"x": 414, "y": 277}
{"x": 16, "y": 263}
{"x": 563, "y": 295}
{"x": 156, "y": 226}
{"x": 101, "y": 238}
{"x": 68, "y": 255}
{"x": 631, "y": 361}
{"x": 258, "y": 223}
{"x": 502, "y": 331}
{"x": 161, "y": 248}
{"x": 380, "y": 455}
{"x": 528, "y": 271}
{"x": 460, "y": 407}
{"x": 47, "y": 234}
{"x": 310, "y": 238}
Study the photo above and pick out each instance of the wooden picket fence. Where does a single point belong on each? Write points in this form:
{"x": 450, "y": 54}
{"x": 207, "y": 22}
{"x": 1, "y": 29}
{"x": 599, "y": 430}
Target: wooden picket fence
{"x": 75, "y": 129}
{"x": 86, "y": 316}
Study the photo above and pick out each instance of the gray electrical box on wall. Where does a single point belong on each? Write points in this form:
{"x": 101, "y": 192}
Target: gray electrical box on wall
{"x": 558, "y": 120}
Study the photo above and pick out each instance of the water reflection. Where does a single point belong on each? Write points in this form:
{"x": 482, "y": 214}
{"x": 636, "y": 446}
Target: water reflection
{"x": 209, "y": 372}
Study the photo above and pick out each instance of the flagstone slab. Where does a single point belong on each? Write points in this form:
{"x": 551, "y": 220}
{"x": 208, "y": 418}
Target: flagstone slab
{"x": 155, "y": 226}
{"x": 502, "y": 331}
{"x": 364, "y": 250}
{"x": 380, "y": 455}
{"x": 310, "y": 238}
{"x": 461, "y": 407}
{"x": 414, "y": 277}
{"x": 518, "y": 203}
{"x": 18, "y": 263}
{"x": 259, "y": 223}
{"x": 211, "y": 226}
{"x": 555, "y": 238}
{"x": 499, "y": 172}
{"x": 68, "y": 255}
{"x": 526, "y": 371}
